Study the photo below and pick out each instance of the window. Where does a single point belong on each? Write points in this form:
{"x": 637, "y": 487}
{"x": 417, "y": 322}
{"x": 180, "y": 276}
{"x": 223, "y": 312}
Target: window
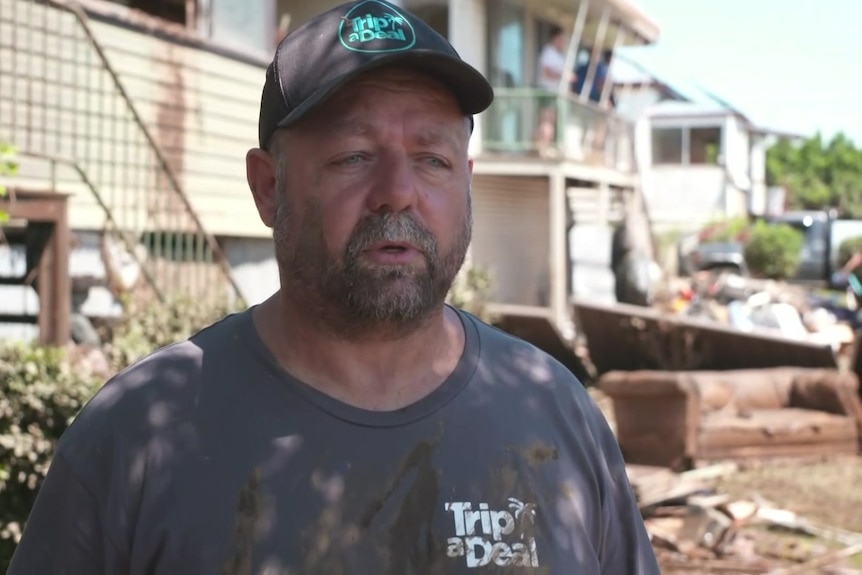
{"x": 239, "y": 25}
{"x": 170, "y": 10}
{"x": 686, "y": 146}
{"x": 705, "y": 144}
{"x": 667, "y": 146}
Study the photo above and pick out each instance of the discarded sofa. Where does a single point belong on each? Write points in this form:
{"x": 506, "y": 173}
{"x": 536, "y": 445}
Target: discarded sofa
{"x": 686, "y": 418}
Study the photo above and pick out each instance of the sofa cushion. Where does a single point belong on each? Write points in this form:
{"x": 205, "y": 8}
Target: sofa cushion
{"x": 764, "y": 427}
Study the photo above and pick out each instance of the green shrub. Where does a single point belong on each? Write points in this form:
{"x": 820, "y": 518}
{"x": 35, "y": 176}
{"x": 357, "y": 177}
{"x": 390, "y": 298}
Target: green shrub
{"x": 470, "y": 292}
{"x": 772, "y": 250}
{"x": 150, "y": 326}
{"x": 725, "y": 230}
{"x": 40, "y": 392}
{"x": 42, "y": 389}
{"x": 846, "y": 250}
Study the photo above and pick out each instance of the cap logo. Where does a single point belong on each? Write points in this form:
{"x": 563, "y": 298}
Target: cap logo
{"x": 372, "y": 27}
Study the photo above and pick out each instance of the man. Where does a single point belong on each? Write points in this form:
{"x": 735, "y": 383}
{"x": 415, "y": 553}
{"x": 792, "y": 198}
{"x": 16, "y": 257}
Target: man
{"x": 597, "y": 87}
{"x": 552, "y": 60}
{"x": 352, "y": 423}
{"x": 599, "y": 77}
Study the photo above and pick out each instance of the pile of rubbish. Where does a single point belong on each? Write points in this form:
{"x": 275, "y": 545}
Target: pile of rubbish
{"x": 767, "y": 307}
{"x": 694, "y": 528}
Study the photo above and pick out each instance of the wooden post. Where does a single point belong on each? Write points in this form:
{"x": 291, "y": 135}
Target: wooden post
{"x": 48, "y": 246}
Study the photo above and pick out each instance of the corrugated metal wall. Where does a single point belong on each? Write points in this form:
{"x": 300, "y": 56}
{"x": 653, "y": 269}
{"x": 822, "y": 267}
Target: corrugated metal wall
{"x": 511, "y": 236}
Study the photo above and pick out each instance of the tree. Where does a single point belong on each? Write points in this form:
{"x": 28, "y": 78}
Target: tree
{"x": 819, "y": 174}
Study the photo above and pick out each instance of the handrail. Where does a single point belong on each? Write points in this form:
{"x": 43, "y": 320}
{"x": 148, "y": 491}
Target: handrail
{"x": 76, "y": 10}
{"x": 528, "y": 92}
{"x": 607, "y": 135}
{"x": 108, "y": 215}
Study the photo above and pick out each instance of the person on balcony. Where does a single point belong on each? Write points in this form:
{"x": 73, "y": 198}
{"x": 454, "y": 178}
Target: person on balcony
{"x": 598, "y": 84}
{"x": 596, "y": 91}
{"x": 353, "y": 422}
{"x": 551, "y": 70}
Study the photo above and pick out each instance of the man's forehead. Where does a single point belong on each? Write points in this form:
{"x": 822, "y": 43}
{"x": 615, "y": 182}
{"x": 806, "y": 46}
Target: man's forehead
{"x": 425, "y": 130}
{"x": 357, "y": 111}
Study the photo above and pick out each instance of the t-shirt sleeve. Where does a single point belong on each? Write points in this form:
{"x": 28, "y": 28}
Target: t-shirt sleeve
{"x": 625, "y": 546}
{"x": 64, "y": 534}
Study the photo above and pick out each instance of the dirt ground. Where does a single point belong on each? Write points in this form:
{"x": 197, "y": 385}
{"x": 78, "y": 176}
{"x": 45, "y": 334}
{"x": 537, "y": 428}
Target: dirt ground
{"x": 826, "y": 492}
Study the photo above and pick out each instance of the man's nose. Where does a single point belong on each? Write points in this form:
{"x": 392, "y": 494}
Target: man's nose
{"x": 395, "y": 187}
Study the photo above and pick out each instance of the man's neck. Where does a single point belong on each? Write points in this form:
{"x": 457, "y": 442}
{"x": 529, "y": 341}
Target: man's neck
{"x": 381, "y": 373}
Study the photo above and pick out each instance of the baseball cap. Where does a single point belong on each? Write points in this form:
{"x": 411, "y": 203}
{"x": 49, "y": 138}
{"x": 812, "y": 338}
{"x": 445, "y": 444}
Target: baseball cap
{"x": 315, "y": 60}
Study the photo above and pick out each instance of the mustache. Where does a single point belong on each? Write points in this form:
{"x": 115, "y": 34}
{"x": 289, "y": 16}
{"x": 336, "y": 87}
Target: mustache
{"x": 379, "y": 228}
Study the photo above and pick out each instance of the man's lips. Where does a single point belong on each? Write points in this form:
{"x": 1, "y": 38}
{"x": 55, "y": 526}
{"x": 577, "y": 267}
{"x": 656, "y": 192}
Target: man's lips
{"x": 393, "y": 247}
{"x": 393, "y": 253}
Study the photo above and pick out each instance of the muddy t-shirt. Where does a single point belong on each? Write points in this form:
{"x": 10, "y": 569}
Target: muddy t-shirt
{"x": 206, "y": 458}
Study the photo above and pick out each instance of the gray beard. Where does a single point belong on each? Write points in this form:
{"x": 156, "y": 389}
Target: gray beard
{"x": 352, "y": 300}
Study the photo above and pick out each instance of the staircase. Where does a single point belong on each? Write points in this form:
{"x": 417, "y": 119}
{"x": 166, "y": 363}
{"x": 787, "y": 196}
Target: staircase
{"x": 79, "y": 133}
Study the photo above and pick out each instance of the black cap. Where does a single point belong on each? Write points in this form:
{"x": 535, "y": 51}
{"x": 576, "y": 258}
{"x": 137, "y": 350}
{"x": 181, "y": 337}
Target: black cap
{"x": 322, "y": 55}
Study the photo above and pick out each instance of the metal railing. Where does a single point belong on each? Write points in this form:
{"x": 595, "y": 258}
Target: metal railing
{"x": 583, "y": 132}
{"x": 79, "y": 132}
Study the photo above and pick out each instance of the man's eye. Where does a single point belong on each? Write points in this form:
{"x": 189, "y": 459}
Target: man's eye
{"x": 352, "y": 159}
{"x": 435, "y": 162}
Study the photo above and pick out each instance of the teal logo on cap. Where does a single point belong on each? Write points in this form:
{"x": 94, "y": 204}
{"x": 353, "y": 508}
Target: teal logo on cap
{"x": 373, "y": 27}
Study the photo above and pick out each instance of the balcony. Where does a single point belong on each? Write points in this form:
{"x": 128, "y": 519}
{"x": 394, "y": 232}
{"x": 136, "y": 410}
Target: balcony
{"x": 584, "y": 132}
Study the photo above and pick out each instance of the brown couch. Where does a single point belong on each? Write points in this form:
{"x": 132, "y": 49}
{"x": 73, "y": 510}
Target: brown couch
{"x": 681, "y": 419}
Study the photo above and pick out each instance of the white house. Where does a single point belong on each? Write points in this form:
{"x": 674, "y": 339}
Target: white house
{"x": 700, "y": 158}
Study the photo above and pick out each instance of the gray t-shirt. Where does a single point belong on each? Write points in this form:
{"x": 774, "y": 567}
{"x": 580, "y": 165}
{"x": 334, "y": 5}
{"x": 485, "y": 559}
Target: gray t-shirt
{"x": 206, "y": 458}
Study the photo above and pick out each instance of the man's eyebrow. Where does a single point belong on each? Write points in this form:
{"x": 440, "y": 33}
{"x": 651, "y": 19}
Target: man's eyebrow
{"x": 436, "y": 136}
{"x": 349, "y": 127}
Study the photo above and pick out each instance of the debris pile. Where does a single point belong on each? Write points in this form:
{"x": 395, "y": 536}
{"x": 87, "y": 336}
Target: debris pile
{"x": 767, "y": 307}
{"x": 696, "y": 529}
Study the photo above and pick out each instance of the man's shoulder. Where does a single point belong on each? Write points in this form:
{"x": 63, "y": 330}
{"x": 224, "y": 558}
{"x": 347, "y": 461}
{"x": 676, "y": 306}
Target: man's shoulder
{"x": 156, "y": 389}
{"x": 175, "y": 365}
{"x": 518, "y": 356}
{"x": 530, "y": 372}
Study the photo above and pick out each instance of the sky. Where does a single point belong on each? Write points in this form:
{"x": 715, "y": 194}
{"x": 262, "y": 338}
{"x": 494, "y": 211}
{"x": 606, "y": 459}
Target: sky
{"x": 789, "y": 65}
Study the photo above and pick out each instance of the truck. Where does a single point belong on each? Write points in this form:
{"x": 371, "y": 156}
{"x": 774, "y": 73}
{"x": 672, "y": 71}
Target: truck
{"x": 822, "y": 231}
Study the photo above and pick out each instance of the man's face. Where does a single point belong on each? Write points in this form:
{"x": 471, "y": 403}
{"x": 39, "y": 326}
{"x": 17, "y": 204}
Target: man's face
{"x": 372, "y": 209}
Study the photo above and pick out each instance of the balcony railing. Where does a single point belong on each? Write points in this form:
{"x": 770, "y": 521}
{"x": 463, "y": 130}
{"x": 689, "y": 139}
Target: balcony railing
{"x": 584, "y": 132}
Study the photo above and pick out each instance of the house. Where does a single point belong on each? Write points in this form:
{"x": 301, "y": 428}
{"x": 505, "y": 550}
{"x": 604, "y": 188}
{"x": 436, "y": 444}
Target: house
{"x": 143, "y": 111}
{"x": 700, "y": 158}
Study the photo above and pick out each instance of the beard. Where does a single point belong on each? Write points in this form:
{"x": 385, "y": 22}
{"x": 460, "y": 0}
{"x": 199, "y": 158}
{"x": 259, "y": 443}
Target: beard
{"x": 354, "y": 298}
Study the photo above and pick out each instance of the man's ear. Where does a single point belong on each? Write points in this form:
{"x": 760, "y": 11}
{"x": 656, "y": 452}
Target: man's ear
{"x": 260, "y": 173}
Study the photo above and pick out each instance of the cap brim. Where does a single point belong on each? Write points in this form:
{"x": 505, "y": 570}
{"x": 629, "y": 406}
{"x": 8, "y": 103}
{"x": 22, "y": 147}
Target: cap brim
{"x": 471, "y": 89}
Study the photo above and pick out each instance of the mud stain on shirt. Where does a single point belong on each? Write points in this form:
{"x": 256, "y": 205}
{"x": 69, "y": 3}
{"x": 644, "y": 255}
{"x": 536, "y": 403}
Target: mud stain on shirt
{"x": 412, "y": 546}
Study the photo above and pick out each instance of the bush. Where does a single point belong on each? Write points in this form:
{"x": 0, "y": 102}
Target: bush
{"x": 772, "y": 250}
{"x": 42, "y": 389}
{"x": 470, "y": 292}
{"x": 846, "y": 250}
{"x": 40, "y": 392}
{"x": 724, "y": 231}
{"x": 148, "y": 327}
